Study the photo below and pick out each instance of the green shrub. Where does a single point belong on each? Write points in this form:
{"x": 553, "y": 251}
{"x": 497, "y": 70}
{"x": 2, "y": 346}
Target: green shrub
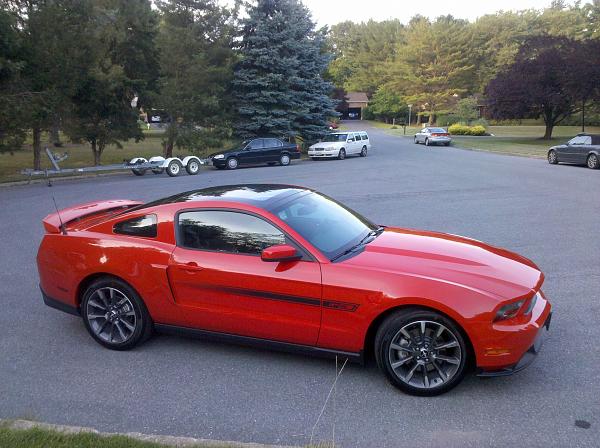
{"x": 461, "y": 129}
{"x": 477, "y": 130}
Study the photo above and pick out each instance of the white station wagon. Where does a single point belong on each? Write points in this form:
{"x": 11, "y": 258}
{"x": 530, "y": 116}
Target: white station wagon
{"x": 341, "y": 144}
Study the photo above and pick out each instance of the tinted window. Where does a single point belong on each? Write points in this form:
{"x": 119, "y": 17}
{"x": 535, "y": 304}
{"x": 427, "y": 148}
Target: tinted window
{"x": 141, "y": 226}
{"x": 365, "y": 137}
{"x": 326, "y": 224}
{"x": 351, "y": 138}
{"x": 335, "y": 138}
{"x": 438, "y": 130}
{"x": 256, "y": 144}
{"x": 225, "y": 231}
{"x": 272, "y": 143}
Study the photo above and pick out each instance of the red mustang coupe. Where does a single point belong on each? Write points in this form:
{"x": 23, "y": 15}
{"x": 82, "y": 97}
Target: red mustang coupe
{"x": 291, "y": 268}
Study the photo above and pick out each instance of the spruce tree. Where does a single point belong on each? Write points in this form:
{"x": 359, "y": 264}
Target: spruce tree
{"x": 278, "y": 82}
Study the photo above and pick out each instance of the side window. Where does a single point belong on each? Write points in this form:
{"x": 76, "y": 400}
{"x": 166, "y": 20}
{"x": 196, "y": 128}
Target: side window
{"x": 365, "y": 137}
{"x": 351, "y": 137}
{"x": 145, "y": 226}
{"x": 256, "y": 144}
{"x": 587, "y": 140}
{"x": 225, "y": 231}
{"x": 273, "y": 143}
{"x": 580, "y": 140}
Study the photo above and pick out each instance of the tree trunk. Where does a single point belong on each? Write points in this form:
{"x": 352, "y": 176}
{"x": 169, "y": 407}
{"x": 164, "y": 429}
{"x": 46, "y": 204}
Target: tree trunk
{"x": 95, "y": 152}
{"x": 170, "y": 142}
{"x": 37, "y": 148}
{"x": 55, "y": 132}
{"x": 548, "y": 133}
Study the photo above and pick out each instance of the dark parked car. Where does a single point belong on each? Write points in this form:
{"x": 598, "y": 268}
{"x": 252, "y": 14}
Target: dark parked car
{"x": 582, "y": 150}
{"x": 256, "y": 152}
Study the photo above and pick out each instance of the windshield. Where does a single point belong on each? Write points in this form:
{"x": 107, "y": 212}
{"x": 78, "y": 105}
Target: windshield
{"x": 335, "y": 138}
{"x": 325, "y": 223}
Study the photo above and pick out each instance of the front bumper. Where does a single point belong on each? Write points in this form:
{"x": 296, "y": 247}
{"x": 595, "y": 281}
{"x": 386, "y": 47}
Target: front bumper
{"x": 513, "y": 347}
{"x": 323, "y": 153}
{"x": 219, "y": 163}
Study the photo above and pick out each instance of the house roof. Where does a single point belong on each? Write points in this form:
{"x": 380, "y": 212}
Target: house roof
{"x": 357, "y": 97}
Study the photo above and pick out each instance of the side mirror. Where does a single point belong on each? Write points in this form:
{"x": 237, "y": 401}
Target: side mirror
{"x": 281, "y": 252}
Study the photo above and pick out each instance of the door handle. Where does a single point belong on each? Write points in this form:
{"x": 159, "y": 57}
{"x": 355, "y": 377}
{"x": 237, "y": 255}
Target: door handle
{"x": 192, "y": 267}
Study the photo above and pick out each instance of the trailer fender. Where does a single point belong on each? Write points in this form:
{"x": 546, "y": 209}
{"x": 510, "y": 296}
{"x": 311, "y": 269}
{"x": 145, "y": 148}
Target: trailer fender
{"x": 187, "y": 159}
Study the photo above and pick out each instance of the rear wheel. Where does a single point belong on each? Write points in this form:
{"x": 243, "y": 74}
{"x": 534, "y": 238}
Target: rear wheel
{"x": 593, "y": 162}
{"x": 552, "y": 157}
{"x": 421, "y": 352}
{"x": 427, "y": 142}
{"x": 193, "y": 167}
{"x": 174, "y": 168}
{"x": 284, "y": 160}
{"x": 342, "y": 154}
{"x": 115, "y": 315}
{"x": 232, "y": 163}
{"x": 363, "y": 151}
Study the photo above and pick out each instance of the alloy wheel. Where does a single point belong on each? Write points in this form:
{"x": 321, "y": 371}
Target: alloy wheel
{"x": 425, "y": 354}
{"x": 592, "y": 162}
{"x": 111, "y": 315}
{"x": 552, "y": 159}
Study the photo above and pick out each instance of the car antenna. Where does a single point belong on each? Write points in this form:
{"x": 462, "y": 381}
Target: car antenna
{"x": 62, "y": 226}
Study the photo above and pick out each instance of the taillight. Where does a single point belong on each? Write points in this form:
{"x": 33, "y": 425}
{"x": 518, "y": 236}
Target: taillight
{"x": 298, "y": 147}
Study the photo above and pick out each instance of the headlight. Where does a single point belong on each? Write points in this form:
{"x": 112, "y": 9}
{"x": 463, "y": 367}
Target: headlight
{"x": 509, "y": 311}
{"x": 219, "y": 156}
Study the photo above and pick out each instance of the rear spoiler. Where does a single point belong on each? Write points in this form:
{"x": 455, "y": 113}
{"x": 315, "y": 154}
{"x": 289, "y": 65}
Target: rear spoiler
{"x": 54, "y": 221}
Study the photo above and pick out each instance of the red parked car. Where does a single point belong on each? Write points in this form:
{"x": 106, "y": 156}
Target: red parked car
{"x": 291, "y": 268}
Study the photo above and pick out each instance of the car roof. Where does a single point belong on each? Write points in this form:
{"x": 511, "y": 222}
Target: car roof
{"x": 259, "y": 195}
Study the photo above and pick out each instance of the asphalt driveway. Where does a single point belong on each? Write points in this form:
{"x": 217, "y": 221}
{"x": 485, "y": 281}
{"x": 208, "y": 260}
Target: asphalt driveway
{"x": 51, "y": 370}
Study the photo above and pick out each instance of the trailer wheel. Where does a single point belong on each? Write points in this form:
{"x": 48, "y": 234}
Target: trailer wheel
{"x": 193, "y": 167}
{"x": 158, "y": 170}
{"x": 138, "y": 172}
{"x": 174, "y": 168}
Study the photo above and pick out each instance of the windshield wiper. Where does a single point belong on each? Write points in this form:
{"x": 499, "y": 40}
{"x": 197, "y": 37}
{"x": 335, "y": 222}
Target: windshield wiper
{"x": 372, "y": 234}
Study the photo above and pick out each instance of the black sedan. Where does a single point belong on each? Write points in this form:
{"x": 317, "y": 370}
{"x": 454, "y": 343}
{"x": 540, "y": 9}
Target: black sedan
{"x": 257, "y": 152}
{"x": 584, "y": 149}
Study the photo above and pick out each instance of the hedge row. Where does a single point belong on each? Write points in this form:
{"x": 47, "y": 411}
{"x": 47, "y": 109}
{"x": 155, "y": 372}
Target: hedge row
{"x": 461, "y": 129}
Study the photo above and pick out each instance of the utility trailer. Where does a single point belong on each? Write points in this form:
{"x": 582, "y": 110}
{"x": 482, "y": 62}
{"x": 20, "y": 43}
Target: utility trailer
{"x": 173, "y": 166}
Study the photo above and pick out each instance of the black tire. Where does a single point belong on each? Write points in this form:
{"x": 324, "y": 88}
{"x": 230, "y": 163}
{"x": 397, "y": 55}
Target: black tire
{"x": 138, "y": 172}
{"x": 363, "y": 151}
{"x": 193, "y": 167}
{"x": 416, "y": 141}
{"x": 174, "y": 168}
{"x": 158, "y": 170}
{"x": 427, "y": 142}
{"x": 342, "y": 154}
{"x": 593, "y": 162}
{"x": 391, "y": 328}
{"x": 142, "y": 323}
{"x": 285, "y": 160}
{"x": 232, "y": 163}
{"x": 447, "y": 144}
{"x": 552, "y": 157}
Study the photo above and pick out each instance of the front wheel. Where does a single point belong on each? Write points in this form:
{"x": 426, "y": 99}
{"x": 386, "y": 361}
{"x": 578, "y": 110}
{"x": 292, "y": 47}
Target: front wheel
{"x": 416, "y": 141}
{"x": 363, "y": 151}
{"x": 421, "y": 352}
{"x": 342, "y": 154}
{"x": 284, "y": 160}
{"x": 232, "y": 163}
{"x": 593, "y": 162}
{"x": 552, "y": 157}
{"x": 115, "y": 315}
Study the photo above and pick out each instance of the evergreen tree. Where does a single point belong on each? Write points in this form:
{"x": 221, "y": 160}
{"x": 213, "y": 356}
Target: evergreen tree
{"x": 278, "y": 83}
{"x": 196, "y": 68}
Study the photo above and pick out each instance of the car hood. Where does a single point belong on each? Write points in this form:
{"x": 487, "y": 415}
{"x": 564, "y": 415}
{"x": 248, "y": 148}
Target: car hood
{"x": 451, "y": 259}
{"x": 327, "y": 145}
{"x": 226, "y": 153}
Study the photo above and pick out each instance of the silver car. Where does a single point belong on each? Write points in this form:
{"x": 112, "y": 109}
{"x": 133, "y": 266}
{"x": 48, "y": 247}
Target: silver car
{"x": 433, "y": 136}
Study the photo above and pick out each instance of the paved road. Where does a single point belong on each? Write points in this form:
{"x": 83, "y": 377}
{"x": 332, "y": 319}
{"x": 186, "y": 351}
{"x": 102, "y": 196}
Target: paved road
{"x": 51, "y": 370}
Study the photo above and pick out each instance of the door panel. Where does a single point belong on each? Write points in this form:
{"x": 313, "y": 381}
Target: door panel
{"x": 243, "y": 295}
{"x": 253, "y": 152}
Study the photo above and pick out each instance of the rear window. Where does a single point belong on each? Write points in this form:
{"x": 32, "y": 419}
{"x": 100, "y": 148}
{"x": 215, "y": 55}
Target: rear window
{"x": 437, "y": 130}
{"x": 144, "y": 226}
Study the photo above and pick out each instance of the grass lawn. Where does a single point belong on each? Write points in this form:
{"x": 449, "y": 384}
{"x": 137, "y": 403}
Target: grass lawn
{"x": 514, "y": 140}
{"x": 40, "y": 438}
{"x": 80, "y": 155}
